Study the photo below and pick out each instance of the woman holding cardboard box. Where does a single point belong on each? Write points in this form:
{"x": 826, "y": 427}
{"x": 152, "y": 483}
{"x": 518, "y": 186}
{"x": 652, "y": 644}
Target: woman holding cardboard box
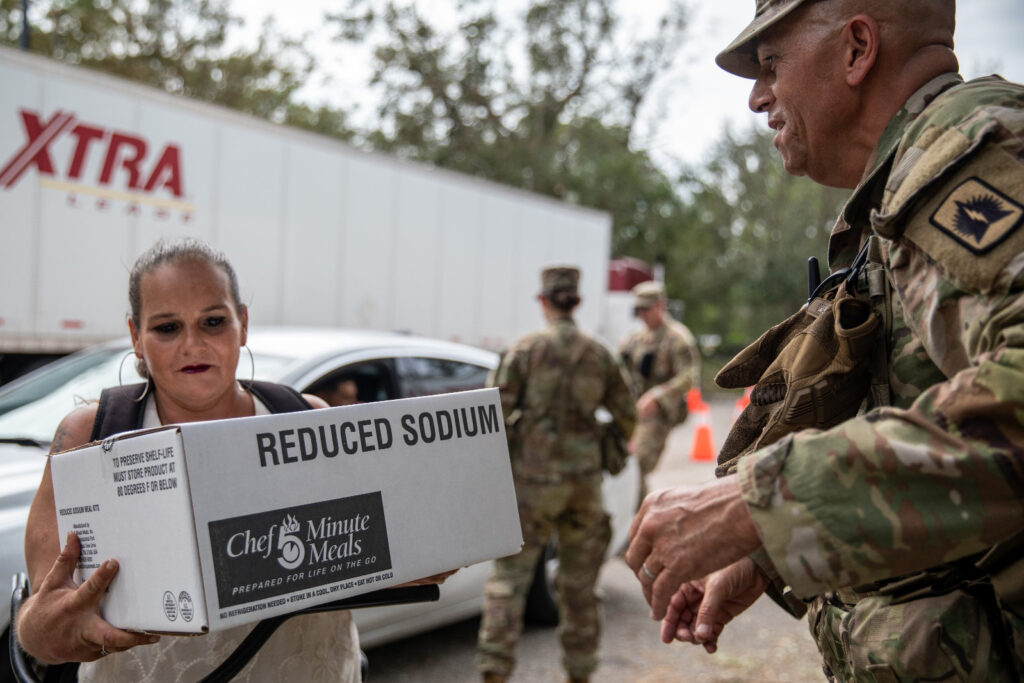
{"x": 188, "y": 326}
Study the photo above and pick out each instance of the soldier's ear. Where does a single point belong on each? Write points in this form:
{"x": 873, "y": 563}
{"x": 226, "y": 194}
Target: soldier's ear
{"x": 860, "y": 41}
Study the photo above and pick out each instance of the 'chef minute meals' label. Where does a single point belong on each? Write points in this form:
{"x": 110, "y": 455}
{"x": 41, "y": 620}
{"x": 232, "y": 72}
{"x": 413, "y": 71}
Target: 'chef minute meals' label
{"x": 282, "y": 551}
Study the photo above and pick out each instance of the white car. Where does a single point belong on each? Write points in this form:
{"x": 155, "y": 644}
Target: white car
{"x": 384, "y": 366}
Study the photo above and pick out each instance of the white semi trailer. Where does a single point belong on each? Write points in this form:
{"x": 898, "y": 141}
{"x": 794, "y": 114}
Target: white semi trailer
{"x": 94, "y": 169}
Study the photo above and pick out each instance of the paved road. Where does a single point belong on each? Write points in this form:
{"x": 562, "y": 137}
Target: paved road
{"x": 763, "y": 644}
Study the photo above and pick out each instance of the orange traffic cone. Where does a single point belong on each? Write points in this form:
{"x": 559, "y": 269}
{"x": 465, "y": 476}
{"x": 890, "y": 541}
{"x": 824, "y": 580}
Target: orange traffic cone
{"x": 693, "y": 400}
{"x": 703, "y": 449}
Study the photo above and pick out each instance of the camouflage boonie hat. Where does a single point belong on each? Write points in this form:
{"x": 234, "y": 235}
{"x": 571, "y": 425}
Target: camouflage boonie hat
{"x": 646, "y": 294}
{"x": 559, "y": 279}
{"x": 740, "y": 57}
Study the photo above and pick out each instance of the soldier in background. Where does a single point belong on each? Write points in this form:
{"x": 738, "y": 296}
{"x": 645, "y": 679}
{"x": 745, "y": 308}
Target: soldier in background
{"x": 900, "y": 530}
{"x": 551, "y": 382}
{"x": 663, "y": 363}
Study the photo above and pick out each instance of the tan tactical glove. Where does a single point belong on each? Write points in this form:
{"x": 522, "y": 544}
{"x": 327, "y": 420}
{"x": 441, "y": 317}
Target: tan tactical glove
{"x": 811, "y": 370}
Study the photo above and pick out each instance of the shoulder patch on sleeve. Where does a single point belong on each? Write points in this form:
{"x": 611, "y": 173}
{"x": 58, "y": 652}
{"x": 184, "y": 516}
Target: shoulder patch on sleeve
{"x": 977, "y": 215}
{"x": 973, "y": 226}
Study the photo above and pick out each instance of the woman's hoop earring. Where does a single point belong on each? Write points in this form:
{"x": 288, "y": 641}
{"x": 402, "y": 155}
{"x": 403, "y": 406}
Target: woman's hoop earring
{"x": 120, "y": 368}
{"x": 120, "y": 381}
{"x": 252, "y": 366}
{"x": 145, "y": 390}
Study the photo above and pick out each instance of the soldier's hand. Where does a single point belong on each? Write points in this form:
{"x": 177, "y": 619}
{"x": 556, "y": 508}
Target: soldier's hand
{"x": 647, "y": 406}
{"x": 683, "y": 534}
{"x": 699, "y": 610}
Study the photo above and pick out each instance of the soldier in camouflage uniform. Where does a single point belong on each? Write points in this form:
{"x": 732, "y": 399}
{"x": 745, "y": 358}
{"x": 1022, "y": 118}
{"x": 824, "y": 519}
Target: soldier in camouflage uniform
{"x": 663, "y": 363}
{"x": 901, "y": 527}
{"x": 551, "y": 382}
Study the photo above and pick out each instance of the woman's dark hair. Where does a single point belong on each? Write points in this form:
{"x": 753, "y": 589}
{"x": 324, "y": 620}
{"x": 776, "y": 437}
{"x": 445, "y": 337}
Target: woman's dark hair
{"x": 563, "y": 299}
{"x": 174, "y": 250}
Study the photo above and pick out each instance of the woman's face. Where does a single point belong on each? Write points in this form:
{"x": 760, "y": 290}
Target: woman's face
{"x": 189, "y": 333}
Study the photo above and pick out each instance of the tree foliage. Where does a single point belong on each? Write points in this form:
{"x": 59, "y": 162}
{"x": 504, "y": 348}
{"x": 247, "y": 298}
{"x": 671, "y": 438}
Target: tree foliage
{"x": 751, "y": 227}
{"x": 178, "y": 46}
{"x": 547, "y": 104}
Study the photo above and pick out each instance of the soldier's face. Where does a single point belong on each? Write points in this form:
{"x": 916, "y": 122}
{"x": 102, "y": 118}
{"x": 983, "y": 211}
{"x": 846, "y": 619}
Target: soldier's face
{"x": 798, "y": 89}
{"x": 651, "y": 315}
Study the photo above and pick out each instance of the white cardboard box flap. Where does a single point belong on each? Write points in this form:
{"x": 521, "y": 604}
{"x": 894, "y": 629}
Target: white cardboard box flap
{"x": 128, "y": 499}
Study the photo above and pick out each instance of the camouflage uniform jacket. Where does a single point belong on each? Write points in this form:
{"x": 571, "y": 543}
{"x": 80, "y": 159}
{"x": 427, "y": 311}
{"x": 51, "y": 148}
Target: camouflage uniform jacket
{"x": 665, "y": 360}
{"x": 551, "y": 382}
{"x": 939, "y": 474}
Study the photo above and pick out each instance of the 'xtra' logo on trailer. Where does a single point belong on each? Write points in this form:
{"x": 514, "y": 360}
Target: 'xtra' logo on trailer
{"x": 282, "y": 551}
{"x": 120, "y": 165}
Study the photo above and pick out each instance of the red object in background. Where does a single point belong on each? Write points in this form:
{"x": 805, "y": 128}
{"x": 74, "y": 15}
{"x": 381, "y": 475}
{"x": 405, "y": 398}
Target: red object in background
{"x": 627, "y": 272}
{"x": 694, "y": 400}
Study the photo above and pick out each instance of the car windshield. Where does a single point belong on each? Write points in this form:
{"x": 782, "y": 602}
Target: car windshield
{"x": 32, "y": 409}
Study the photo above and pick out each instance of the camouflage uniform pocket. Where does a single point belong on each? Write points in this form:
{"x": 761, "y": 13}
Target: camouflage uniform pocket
{"x": 951, "y": 637}
{"x": 825, "y": 623}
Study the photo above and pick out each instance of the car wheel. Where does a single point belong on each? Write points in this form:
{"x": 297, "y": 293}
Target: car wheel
{"x": 541, "y": 606}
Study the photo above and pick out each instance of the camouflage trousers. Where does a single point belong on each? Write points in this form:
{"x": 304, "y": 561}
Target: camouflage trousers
{"x": 649, "y": 441}
{"x": 572, "y": 510}
{"x": 959, "y": 636}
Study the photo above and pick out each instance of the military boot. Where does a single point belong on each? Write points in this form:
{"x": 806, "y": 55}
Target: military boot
{"x": 490, "y": 677}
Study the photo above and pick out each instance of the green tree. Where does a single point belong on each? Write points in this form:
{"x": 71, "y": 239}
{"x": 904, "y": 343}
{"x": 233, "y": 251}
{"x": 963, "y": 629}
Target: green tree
{"x": 741, "y": 262}
{"x": 548, "y": 104}
{"x": 178, "y": 46}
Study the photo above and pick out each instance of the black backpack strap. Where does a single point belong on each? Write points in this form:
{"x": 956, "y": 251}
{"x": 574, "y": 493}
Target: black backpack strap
{"x": 120, "y": 410}
{"x": 278, "y": 398}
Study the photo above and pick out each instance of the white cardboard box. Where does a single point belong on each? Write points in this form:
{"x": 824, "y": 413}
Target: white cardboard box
{"x": 220, "y": 523}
